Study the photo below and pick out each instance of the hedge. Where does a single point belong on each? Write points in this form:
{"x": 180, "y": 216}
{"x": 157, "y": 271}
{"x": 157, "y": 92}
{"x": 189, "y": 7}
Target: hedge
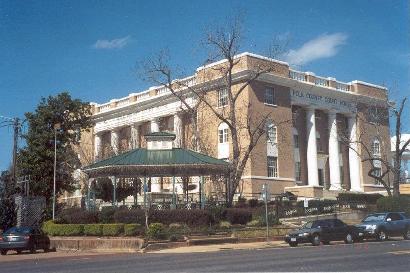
{"x": 93, "y": 229}
{"x": 129, "y": 216}
{"x": 359, "y": 197}
{"x": 195, "y": 217}
{"x": 53, "y": 229}
{"x": 112, "y": 229}
{"x": 156, "y": 231}
{"x": 391, "y": 203}
{"x": 77, "y": 216}
{"x": 133, "y": 229}
{"x": 238, "y": 216}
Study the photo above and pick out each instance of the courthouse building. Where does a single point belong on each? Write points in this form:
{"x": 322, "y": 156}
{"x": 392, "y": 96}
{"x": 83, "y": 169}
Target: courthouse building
{"x": 308, "y": 155}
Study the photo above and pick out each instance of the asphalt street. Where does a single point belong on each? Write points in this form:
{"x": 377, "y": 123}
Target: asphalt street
{"x": 392, "y": 255}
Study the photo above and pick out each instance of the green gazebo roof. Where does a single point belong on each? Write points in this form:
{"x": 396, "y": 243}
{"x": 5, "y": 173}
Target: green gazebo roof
{"x": 143, "y": 162}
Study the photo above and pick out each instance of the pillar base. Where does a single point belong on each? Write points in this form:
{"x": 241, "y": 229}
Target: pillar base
{"x": 335, "y": 188}
{"x": 306, "y": 191}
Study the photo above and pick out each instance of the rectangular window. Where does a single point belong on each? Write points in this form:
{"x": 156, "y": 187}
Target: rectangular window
{"x": 376, "y": 147}
{"x": 222, "y": 97}
{"x": 272, "y": 166}
{"x": 297, "y": 171}
{"x": 377, "y": 172}
{"x": 270, "y": 96}
{"x": 272, "y": 134}
{"x": 223, "y": 135}
{"x": 296, "y": 141}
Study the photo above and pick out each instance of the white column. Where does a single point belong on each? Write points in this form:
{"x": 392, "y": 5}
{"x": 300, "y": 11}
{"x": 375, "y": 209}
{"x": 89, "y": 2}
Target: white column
{"x": 155, "y": 183}
{"x": 354, "y": 159}
{"x": 154, "y": 125}
{"x": 178, "y": 130}
{"x": 313, "y": 177}
{"x": 115, "y": 141}
{"x": 135, "y": 136}
{"x": 334, "y": 164}
{"x": 97, "y": 145}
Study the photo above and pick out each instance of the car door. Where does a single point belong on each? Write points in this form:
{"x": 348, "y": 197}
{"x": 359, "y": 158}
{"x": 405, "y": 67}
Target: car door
{"x": 326, "y": 228}
{"x": 397, "y": 223}
{"x": 340, "y": 229}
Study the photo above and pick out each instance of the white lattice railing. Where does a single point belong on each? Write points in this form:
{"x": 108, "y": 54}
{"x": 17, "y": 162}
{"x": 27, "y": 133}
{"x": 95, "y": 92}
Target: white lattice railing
{"x": 104, "y": 107}
{"x": 123, "y": 102}
{"x": 296, "y": 75}
{"x": 342, "y": 86}
{"x": 321, "y": 81}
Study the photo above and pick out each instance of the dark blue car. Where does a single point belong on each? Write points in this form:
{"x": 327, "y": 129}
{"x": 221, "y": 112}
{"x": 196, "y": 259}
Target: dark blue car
{"x": 23, "y": 238}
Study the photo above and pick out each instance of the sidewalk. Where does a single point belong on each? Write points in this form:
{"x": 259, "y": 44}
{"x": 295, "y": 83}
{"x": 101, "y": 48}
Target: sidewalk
{"x": 222, "y": 247}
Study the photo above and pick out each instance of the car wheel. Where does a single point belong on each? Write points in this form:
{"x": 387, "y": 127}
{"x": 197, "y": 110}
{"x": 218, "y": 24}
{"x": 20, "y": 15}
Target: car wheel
{"x": 316, "y": 240}
{"x": 326, "y": 242}
{"x": 4, "y": 252}
{"x": 381, "y": 236}
{"x": 406, "y": 234}
{"x": 18, "y": 251}
{"x": 348, "y": 238}
{"x": 33, "y": 249}
{"x": 293, "y": 244}
{"x": 46, "y": 249}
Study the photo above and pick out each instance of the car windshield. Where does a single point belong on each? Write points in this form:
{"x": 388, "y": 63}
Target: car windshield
{"x": 307, "y": 225}
{"x": 374, "y": 218}
{"x": 18, "y": 230}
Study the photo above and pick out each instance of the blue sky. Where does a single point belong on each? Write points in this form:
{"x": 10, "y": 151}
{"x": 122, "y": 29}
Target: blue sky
{"x": 90, "y": 47}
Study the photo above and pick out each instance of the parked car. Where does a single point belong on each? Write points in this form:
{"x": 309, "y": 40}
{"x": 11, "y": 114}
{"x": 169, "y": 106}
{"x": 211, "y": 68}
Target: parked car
{"x": 23, "y": 238}
{"x": 324, "y": 231}
{"x": 383, "y": 225}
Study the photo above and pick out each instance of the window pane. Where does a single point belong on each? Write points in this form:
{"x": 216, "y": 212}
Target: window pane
{"x": 272, "y": 166}
{"x": 269, "y": 96}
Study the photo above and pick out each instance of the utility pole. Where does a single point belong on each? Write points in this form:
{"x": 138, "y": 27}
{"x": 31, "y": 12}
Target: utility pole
{"x": 16, "y": 127}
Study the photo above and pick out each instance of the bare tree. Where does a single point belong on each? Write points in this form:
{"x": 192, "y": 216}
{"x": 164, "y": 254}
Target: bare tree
{"x": 223, "y": 44}
{"x": 376, "y": 151}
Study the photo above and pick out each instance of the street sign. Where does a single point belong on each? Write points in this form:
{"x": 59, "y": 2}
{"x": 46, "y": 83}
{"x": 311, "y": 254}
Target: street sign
{"x": 305, "y": 203}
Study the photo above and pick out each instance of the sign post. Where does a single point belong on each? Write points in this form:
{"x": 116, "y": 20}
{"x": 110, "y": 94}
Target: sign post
{"x": 265, "y": 198}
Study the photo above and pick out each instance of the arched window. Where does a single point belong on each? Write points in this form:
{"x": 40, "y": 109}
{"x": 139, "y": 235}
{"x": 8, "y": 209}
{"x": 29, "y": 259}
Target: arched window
{"x": 223, "y": 144}
{"x": 376, "y": 146}
{"x": 271, "y": 132}
{"x": 223, "y": 133}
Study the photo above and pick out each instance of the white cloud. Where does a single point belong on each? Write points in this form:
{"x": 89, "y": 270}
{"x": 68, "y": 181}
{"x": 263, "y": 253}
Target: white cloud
{"x": 324, "y": 46}
{"x": 112, "y": 44}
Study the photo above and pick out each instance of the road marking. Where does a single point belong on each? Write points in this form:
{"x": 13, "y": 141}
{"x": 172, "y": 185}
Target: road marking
{"x": 400, "y": 252}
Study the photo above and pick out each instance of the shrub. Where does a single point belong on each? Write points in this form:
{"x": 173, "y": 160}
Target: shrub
{"x": 224, "y": 225}
{"x": 238, "y": 216}
{"x": 359, "y": 197}
{"x": 112, "y": 229}
{"x": 217, "y": 213}
{"x": 195, "y": 217}
{"x": 156, "y": 231}
{"x": 93, "y": 229}
{"x": 253, "y": 203}
{"x": 77, "y": 216}
{"x": 129, "y": 216}
{"x": 53, "y": 229}
{"x": 391, "y": 203}
{"x": 132, "y": 229}
{"x": 71, "y": 229}
{"x": 107, "y": 215}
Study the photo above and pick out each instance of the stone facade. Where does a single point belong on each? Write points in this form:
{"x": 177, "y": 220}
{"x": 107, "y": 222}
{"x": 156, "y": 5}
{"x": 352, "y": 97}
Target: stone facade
{"x": 310, "y": 114}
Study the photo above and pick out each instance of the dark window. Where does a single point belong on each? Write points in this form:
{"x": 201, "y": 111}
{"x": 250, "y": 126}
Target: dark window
{"x": 270, "y": 96}
{"x": 339, "y": 223}
{"x": 395, "y": 216}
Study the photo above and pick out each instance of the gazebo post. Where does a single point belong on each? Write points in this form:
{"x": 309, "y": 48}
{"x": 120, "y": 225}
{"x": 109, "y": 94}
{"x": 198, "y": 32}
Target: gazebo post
{"x": 174, "y": 203}
{"x": 145, "y": 191}
{"x": 114, "y": 192}
{"x": 202, "y": 192}
{"x": 88, "y": 194}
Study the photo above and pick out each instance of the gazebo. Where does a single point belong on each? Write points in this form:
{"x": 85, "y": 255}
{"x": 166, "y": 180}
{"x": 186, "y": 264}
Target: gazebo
{"x": 159, "y": 159}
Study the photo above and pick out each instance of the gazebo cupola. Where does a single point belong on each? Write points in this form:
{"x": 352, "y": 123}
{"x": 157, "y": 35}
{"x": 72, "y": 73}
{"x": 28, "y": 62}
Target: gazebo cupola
{"x": 160, "y": 141}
